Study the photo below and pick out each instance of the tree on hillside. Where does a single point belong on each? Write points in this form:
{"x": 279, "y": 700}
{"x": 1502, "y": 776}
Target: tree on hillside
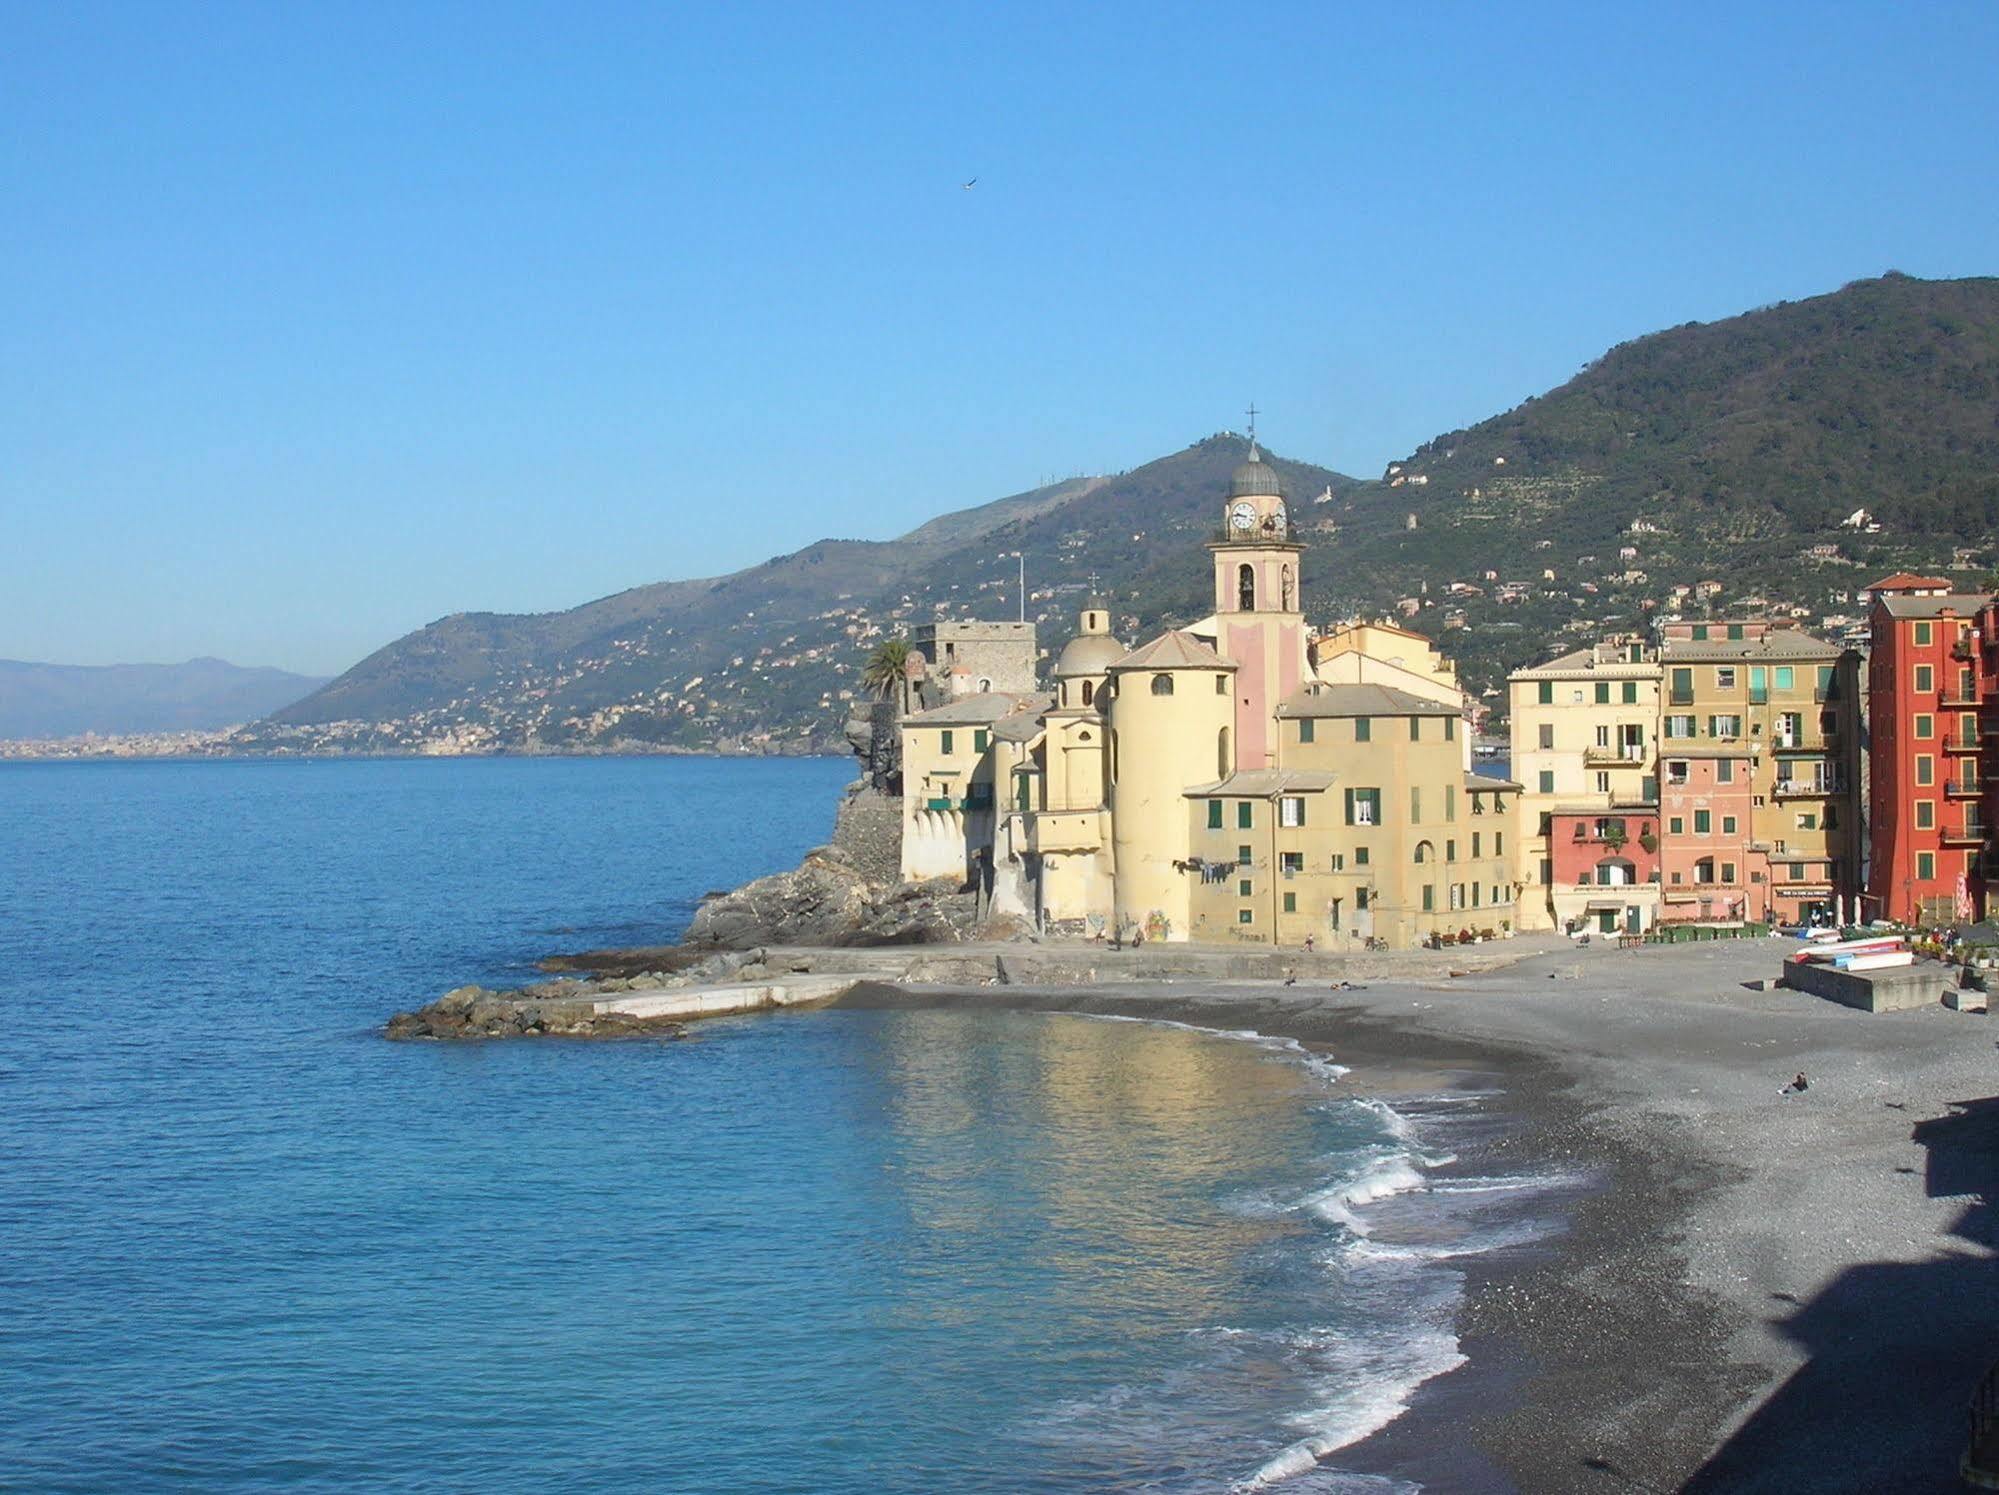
{"x": 883, "y": 671}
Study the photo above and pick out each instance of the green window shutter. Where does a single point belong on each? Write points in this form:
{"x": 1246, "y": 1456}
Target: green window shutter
{"x": 1243, "y": 888}
{"x": 1603, "y": 692}
{"x": 1429, "y": 897}
{"x": 1450, "y": 729}
{"x": 1415, "y": 804}
{"x": 980, "y": 737}
{"x": 1214, "y": 814}
{"x": 1415, "y": 729}
{"x": 1244, "y": 815}
{"x": 1703, "y": 822}
{"x": 1786, "y": 677}
{"x": 1700, "y": 633}
{"x": 1290, "y": 903}
{"x": 1544, "y": 692}
{"x": 1350, "y": 819}
{"x": 1547, "y": 781}
{"x": 947, "y": 742}
{"x": 1735, "y": 633}
{"x": 1631, "y": 692}
{"x": 1363, "y": 729}
{"x": 1305, "y": 728}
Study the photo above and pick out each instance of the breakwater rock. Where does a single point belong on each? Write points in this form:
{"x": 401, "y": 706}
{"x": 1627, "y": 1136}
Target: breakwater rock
{"x": 651, "y": 1003}
{"x": 474, "y": 1012}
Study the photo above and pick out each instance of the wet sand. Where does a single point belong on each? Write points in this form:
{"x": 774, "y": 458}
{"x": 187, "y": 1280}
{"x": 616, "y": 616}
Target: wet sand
{"x": 1758, "y": 1292}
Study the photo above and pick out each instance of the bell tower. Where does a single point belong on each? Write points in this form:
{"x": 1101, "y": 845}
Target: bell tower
{"x": 1259, "y": 609}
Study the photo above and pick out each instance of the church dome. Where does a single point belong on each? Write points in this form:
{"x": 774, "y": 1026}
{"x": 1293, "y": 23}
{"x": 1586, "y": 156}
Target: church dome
{"x": 1088, "y": 654}
{"x": 1256, "y": 478}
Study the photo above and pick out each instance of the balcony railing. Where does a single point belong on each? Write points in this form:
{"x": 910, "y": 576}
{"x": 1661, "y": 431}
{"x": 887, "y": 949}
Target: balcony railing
{"x": 952, "y": 802}
{"x": 1964, "y": 835}
{"x": 1807, "y": 788}
{"x": 1961, "y": 649}
{"x": 1963, "y": 789}
{"x": 1628, "y": 756}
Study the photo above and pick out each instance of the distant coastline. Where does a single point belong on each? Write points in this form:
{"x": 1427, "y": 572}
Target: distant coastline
{"x": 161, "y": 746}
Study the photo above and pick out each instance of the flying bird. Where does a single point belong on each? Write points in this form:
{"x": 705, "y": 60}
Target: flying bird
{"x": 968, "y": 186}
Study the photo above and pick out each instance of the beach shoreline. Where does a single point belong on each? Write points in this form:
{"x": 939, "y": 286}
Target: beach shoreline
{"x": 1753, "y": 1290}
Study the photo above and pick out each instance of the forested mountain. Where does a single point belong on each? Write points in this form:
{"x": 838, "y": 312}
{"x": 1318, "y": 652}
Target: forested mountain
{"x": 1732, "y": 451}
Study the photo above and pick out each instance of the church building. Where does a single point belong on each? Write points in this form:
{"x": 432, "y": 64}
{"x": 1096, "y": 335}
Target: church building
{"x": 1239, "y": 779}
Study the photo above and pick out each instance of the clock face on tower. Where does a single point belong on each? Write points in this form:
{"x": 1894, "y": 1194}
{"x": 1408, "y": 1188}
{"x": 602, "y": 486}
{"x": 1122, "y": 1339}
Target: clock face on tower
{"x": 1242, "y": 517}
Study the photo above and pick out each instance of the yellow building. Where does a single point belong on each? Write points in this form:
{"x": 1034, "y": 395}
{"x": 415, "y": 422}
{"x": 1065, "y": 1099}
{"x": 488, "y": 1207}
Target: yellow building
{"x": 1584, "y": 743}
{"x": 1789, "y": 704}
{"x": 1372, "y": 829}
{"x": 1095, "y": 812}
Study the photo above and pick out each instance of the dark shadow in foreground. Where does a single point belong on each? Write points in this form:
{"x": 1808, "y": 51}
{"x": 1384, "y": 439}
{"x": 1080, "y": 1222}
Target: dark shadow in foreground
{"x": 1897, "y": 1349}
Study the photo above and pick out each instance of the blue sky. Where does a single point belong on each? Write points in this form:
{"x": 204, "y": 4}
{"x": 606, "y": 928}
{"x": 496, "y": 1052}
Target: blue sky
{"x": 318, "y": 323}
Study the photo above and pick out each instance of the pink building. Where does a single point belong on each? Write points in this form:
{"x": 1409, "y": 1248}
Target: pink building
{"x": 1708, "y": 861}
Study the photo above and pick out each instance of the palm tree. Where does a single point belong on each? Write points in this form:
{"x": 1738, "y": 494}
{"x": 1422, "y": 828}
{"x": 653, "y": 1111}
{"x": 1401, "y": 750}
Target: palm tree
{"x": 882, "y": 674}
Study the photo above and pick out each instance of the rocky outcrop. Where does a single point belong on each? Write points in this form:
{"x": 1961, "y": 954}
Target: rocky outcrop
{"x": 827, "y": 900}
{"x": 474, "y": 1012}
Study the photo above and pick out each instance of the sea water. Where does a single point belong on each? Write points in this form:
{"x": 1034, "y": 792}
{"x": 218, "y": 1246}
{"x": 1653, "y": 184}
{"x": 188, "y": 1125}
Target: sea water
{"x": 247, "y": 1244}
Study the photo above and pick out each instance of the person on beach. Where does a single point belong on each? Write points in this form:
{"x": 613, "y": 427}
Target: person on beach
{"x": 1308, "y": 944}
{"x": 1799, "y": 1083}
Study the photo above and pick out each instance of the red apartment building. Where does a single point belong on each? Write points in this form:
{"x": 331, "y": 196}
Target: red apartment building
{"x": 1614, "y": 850}
{"x": 1934, "y": 656}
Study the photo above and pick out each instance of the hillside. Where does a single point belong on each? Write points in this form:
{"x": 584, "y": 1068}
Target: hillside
{"x": 58, "y": 700}
{"x": 758, "y": 659}
{"x": 1730, "y": 451}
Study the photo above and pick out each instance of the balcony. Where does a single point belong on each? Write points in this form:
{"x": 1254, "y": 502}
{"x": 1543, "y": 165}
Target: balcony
{"x": 1963, "y": 789}
{"x": 1957, "y": 700}
{"x": 975, "y": 801}
{"x": 1628, "y": 756}
{"x": 1960, "y": 744}
{"x": 1961, "y": 649}
{"x": 1964, "y": 835}
{"x": 1807, "y": 788}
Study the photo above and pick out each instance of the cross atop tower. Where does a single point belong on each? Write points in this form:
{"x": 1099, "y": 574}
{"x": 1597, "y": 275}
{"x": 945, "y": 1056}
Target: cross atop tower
{"x": 1252, "y": 423}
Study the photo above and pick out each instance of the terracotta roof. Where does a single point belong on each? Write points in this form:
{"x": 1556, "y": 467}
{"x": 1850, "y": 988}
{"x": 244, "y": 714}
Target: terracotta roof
{"x": 1902, "y": 581}
{"x": 976, "y": 710}
{"x": 1174, "y": 651}
{"x": 1360, "y": 700}
{"x": 1264, "y": 783}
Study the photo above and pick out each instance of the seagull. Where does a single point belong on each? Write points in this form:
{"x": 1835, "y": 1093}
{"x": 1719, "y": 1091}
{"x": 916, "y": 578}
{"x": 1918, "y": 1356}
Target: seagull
{"x": 968, "y": 186}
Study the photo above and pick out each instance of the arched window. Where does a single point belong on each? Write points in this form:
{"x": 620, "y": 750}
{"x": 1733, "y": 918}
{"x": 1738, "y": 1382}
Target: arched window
{"x": 1425, "y": 851}
{"x": 1224, "y": 759}
{"x": 985, "y": 685}
{"x": 1615, "y": 872}
{"x": 1162, "y": 685}
{"x": 1245, "y": 588}
{"x": 1088, "y": 691}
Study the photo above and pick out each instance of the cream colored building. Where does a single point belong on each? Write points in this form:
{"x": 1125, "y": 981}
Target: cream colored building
{"x": 1583, "y": 727}
{"x": 1091, "y": 811}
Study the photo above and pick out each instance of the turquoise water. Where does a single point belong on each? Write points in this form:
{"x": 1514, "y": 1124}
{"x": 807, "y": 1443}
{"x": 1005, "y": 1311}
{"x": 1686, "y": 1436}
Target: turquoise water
{"x": 246, "y": 1244}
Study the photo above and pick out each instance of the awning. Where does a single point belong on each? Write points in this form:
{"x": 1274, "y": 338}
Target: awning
{"x": 1604, "y": 905}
